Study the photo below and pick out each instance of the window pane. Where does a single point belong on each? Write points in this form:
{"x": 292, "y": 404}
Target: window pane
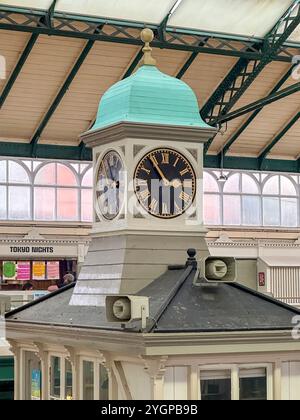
{"x": 287, "y": 187}
{"x": 3, "y": 201}
{"x": 87, "y": 205}
{"x": 253, "y": 386}
{"x": 249, "y": 186}
{"x": 289, "y": 211}
{"x": 215, "y": 386}
{"x": 32, "y": 376}
{"x": 68, "y": 381}
{"x": 211, "y": 209}
{"x": 46, "y": 175}
{"x": 65, "y": 176}
{"x": 17, "y": 174}
{"x": 210, "y": 184}
{"x": 55, "y": 377}
{"x": 232, "y": 210}
{"x": 272, "y": 186}
{"x": 103, "y": 385}
{"x": 44, "y": 203}
{"x": 232, "y": 185}
{"x": 271, "y": 211}
{"x": 88, "y": 380}
{"x": 67, "y": 204}
{"x": 3, "y": 170}
{"x": 251, "y": 211}
{"x": 19, "y": 203}
{"x": 87, "y": 180}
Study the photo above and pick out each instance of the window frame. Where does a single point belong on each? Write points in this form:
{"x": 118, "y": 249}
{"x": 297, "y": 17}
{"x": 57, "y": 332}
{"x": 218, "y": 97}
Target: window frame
{"x": 235, "y": 384}
{"x": 96, "y": 365}
{"x": 260, "y": 179}
{"x": 32, "y": 168}
{"x": 63, "y": 359}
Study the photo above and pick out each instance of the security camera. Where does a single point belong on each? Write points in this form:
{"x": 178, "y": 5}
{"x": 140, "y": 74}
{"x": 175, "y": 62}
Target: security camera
{"x": 217, "y": 270}
{"x": 127, "y": 308}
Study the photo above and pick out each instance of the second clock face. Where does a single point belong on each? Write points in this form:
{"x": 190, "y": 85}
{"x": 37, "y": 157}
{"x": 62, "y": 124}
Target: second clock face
{"x": 165, "y": 183}
{"x": 110, "y": 185}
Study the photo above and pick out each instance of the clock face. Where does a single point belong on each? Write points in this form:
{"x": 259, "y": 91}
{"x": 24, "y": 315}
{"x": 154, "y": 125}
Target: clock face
{"x": 165, "y": 183}
{"x": 110, "y": 185}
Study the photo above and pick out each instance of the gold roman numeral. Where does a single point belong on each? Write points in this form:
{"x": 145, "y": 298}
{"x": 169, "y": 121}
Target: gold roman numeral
{"x": 153, "y": 205}
{"x": 184, "y": 171}
{"x": 177, "y": 208}
{"x": 185, "y": 197}
{"x": 165, "y": 158}
{"x": 145, "y": 170}
{"x": 141, "y": 182}
{"x": 145, "y": 194}
{"x": 175, "y": 163}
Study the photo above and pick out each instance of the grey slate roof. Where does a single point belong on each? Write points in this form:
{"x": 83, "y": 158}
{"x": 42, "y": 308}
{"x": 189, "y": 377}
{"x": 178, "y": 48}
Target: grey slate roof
{"x": 176, "y": 305}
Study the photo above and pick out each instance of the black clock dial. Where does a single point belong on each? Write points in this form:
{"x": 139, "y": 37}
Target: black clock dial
{"x": 110, "y": 185}
{"x": 165, "y": 183}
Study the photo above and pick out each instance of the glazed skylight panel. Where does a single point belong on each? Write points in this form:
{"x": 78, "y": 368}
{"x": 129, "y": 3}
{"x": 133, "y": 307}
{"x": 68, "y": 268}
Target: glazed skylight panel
{"x": 142, "y": 11}
{"x": 247, "y": 18}
{"x": 28, "y": 4}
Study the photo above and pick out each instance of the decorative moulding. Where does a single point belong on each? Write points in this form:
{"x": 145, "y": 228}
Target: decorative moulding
{"x": 122, "y": 130}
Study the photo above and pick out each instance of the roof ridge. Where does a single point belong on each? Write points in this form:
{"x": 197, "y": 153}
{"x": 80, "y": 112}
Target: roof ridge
{"x": 39, "y": 300}
{"x": 182, "y": 279}
{"x": 264, "y": 297}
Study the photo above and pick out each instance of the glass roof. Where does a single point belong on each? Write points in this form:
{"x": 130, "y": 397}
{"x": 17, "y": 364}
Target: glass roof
{"x": 251, "y": 18}
{"x": 247, "y": 18}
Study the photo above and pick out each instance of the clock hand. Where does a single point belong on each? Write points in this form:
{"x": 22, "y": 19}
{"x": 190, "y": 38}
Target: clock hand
{"x": 165, "y": 181}
{"x": 175, "y": 183}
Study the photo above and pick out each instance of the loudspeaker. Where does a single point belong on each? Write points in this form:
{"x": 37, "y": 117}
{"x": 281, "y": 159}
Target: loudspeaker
{"x": 126, "y": 308}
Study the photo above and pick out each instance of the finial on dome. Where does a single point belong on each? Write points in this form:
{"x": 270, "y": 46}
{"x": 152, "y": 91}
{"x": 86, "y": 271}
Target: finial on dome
{"x": 147, "y": 37}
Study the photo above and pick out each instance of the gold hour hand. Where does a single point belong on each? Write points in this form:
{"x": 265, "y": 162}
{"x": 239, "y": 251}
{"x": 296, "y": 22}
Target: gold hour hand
{"x": 155, "y": 164}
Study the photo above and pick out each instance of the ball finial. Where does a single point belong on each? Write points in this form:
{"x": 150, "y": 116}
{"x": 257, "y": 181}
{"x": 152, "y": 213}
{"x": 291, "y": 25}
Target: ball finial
{"x": 147, "y": 35}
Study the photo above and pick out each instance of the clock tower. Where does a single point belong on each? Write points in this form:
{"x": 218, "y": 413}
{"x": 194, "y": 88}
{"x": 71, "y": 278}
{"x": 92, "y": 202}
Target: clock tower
{"x": 147, "y": 146}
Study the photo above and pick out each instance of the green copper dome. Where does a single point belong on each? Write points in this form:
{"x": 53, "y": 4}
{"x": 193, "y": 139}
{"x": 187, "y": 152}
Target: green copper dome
{"x": 149, "y": 96}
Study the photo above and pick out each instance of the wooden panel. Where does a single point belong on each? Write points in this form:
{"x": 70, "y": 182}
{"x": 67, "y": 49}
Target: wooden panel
{"x": 289, "y": 144}
{"x": 206, "y": 73}
{"x": 12, "y": 45}
{"x": 104, "y": 66}
{"x": 41, "y": 77}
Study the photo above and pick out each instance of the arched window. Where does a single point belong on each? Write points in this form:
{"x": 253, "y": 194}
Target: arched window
{"x": 87, "y": 196}
{"x": 87, "y": 180}
{"x": 19, "y": 192}
{"x": 211, "y": 200}
{"x": 56, "y": 193}
{"x": 210, "y": 183}
{"x": 46, "y": 175}
{"x": 280, "y": 202}
{"x": 251, "y": 201}
{"x": 232, "y": 200}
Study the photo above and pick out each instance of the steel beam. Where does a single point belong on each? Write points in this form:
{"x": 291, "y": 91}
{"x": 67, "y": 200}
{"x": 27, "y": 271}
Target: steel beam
{"x": 35, "y": 138}
{"x": 245, "y": 71}
{"x": 14, "y": 75}
{"x": 252, "y": 164}
{"x": 83, "y": 27}
{"x": 283, "y": 93}
{"x": 49, "y": 151}
{"x": 44, "y": 151}
{"x": 277, "y": 138}
{"x": 252, "y": 117}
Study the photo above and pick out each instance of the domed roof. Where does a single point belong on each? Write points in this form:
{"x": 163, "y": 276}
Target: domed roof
{"x": 149, "y": 96}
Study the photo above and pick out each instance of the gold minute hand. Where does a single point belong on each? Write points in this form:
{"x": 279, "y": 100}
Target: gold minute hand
{"x": 155, "y": 164}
